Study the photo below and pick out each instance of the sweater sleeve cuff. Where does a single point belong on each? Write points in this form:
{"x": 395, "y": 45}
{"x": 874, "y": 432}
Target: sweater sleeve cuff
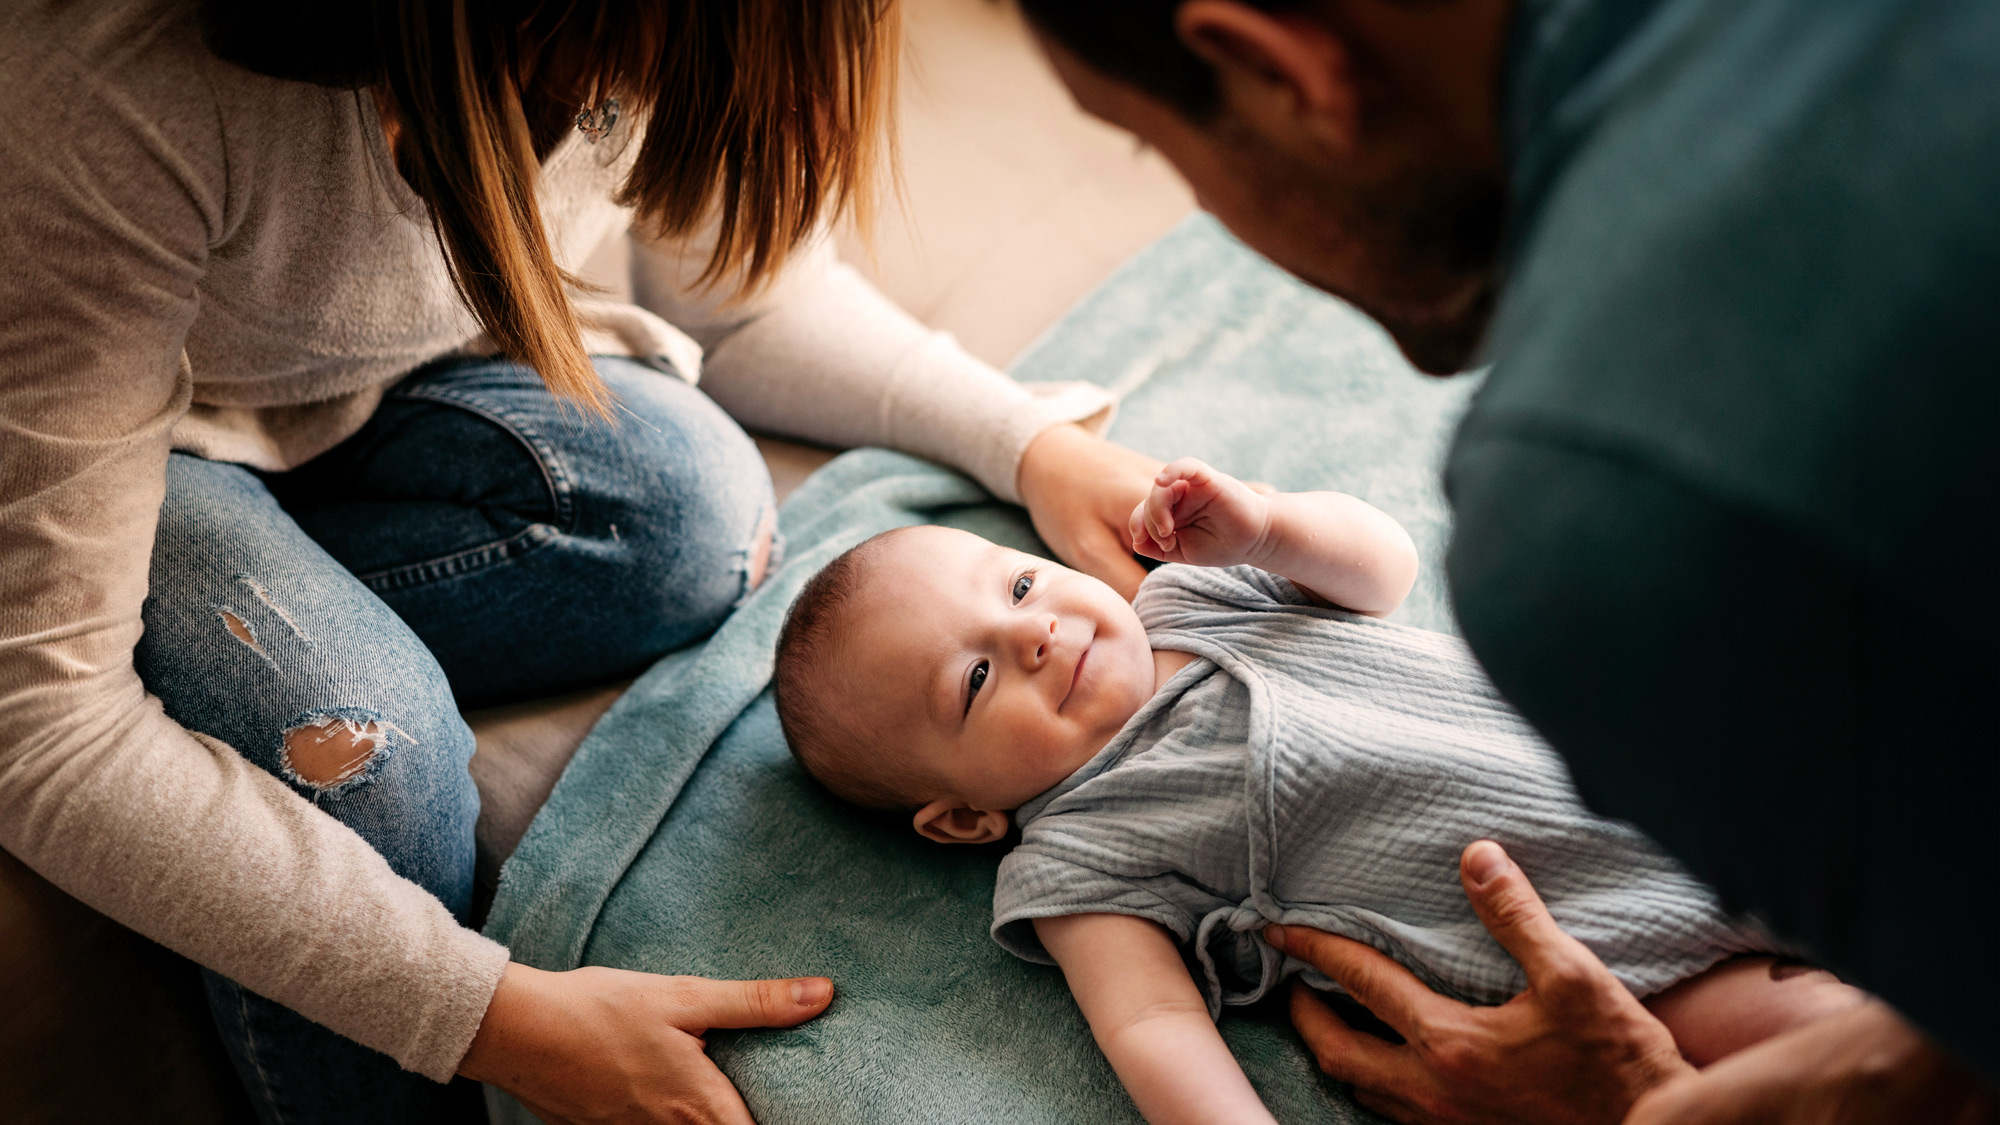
{"x": 985, "y": 427}
{"x": 437, "y": 1045}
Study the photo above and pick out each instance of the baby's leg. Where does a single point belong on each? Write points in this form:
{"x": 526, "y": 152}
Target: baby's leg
{"x": 1747, "y": 1000}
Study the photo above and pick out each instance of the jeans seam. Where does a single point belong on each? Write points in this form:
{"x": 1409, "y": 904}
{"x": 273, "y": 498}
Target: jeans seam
{"x": 250, "y": 1049}
{"x": 554, "y": 475}
{"x": 556, "y": 479}
{"x": 459, "y": 562}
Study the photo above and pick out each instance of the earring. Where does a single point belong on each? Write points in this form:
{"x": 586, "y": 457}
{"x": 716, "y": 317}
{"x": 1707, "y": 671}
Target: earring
{"x": 597, "y": 120}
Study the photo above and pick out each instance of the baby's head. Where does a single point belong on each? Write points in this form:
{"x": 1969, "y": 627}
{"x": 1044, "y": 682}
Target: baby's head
{"x": 930, "y": 670}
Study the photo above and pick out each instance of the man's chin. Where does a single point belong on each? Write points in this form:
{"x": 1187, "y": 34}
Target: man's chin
{"x": 1443, "y": 347}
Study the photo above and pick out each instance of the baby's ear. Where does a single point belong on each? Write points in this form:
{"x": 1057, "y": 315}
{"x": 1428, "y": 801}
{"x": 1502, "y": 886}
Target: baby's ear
{"x": 954, "y": 822}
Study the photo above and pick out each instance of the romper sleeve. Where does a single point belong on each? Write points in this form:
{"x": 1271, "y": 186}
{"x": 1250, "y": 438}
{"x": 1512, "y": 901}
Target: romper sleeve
{"x": 113, "y": 180}
{"x": 1179, "y": 593}
{"x": 820, "y": 354}
{"x": 1036, "y": 881}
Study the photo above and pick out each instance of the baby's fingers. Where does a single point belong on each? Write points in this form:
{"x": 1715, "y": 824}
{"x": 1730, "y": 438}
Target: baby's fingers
{"x": 1152, "y": 524}
{"x": 1141, "y": 525}
{"x": 1200, "y": 484}
{"x": 1160, "y": 512}
{"x": 1142, "y": 540}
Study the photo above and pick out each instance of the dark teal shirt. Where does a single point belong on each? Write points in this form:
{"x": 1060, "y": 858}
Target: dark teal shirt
{"x": 1726, "y": 506}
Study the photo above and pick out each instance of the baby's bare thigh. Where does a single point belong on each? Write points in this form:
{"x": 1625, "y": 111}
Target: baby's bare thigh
{"x": 1747, "y": 1000}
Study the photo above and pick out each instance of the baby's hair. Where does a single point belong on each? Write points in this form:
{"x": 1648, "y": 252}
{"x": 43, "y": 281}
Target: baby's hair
{"x": 826, "y": 739}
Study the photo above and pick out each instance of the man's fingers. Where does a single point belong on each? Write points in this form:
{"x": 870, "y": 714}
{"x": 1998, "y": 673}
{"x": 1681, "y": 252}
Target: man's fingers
{"x": 1355, "y": 1057}
{"x": 750, "y": 1003}
{"x": 1379, "y": 984}
{"x": 1517, "y": 918}
{"x": 1395, "y": 1109}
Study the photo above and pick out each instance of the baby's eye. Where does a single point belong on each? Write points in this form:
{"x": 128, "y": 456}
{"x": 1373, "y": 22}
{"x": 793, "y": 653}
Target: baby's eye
{"x": 979, "y": 674}
{"x": 1023, "y": 584}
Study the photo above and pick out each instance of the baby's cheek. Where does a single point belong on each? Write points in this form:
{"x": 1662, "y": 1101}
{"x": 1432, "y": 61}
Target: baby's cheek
{"x": 1042, "y": 752}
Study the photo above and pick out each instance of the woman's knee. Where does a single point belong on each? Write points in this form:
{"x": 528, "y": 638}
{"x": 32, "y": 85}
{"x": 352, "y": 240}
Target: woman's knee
{"x": 700, "y": 520}
{"x": 254, "y": 636}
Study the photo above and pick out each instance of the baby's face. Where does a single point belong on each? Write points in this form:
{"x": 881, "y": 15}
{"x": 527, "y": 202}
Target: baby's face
{"x": 996, "y": 672}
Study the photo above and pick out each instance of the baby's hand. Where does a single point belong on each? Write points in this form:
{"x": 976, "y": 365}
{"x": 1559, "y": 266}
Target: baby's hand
{"x": 1197, "y": 514}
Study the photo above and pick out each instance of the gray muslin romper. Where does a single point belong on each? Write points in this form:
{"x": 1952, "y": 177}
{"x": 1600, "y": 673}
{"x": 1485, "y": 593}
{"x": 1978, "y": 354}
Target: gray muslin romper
{"x": 1320, "y": 768}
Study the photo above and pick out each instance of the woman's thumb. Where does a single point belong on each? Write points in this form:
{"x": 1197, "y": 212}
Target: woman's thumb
{"x": 757, "y": 1003}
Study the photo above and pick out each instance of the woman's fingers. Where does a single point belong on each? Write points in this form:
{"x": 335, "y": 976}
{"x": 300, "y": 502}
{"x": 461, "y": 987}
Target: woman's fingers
{"x": 1379, "y": 984}
{"x": 716, "y": 1101}
{"x": 701, "y": 1004}
{"x": 1515, "y": 915}
{"x": 704, "y": 1097}
{"x": 1099, "y": 553}
{"x": 1080, "y": 491}
{"x": 598, "y": 1044}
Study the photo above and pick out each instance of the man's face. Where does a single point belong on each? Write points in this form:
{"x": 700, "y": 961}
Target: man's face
{"x": 1405, "y": 233}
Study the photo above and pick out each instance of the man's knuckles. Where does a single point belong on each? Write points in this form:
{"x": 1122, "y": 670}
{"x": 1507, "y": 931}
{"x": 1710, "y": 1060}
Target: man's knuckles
{"x": 1455, "y": 1058}
{"x": 1572, "y": 978}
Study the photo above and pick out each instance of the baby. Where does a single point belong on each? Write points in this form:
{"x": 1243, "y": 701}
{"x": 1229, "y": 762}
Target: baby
{"x": 1240, "y": 747}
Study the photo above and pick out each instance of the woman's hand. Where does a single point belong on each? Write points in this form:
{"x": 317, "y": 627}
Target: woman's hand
{"x": 1079, "y": 490}
{"x": 608, "y": 1045}
{"x": 1574, "y": 1048}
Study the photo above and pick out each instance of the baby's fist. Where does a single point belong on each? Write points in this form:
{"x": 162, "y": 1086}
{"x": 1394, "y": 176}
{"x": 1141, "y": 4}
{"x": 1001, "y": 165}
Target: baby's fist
{"x": 1196, "y": 514}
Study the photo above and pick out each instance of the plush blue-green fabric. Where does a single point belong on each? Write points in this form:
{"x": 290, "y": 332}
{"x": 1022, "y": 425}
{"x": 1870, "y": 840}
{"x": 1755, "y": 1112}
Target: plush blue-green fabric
{"x": 683, "y": 839}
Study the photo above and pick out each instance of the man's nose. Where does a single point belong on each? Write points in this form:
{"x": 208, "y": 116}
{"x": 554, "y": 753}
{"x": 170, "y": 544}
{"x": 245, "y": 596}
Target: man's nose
{"x": 1032, "y": 637}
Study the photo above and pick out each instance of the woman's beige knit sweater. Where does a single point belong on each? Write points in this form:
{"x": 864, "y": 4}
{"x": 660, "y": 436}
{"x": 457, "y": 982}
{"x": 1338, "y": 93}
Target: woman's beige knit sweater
{"x": 194, "y": 257}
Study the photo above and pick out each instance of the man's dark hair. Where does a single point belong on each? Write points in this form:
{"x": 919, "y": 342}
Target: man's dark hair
{"x": 1134, "y": 41}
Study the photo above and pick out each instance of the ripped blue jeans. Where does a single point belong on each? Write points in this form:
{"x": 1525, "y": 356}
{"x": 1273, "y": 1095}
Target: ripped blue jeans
{"x": 475, "y": 542}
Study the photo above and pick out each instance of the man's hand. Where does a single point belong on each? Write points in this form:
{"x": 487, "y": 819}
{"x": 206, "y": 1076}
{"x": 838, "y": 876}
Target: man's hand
{"x": 1196, "y": 514}
{"x": 1574, "y": 1048}
{"x": 1863, "y": 1065}
{"x": 1079, "y": 489}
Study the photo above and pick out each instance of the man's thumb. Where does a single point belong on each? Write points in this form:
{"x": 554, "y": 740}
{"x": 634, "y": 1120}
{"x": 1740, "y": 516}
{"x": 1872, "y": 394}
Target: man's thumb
{"x": 1517, "y": 918}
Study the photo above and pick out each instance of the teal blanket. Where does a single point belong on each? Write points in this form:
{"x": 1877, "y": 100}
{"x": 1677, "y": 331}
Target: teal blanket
{"x": 682, "y": 838}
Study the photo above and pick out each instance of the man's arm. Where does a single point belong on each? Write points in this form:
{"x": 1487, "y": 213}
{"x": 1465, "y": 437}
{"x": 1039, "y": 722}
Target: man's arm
{"x": 1149, "y": 1019}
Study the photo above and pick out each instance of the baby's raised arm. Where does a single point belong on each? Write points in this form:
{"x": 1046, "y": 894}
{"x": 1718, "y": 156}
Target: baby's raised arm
{"x": 1149, "y": 1019}
{"x": 1333, "y": 546}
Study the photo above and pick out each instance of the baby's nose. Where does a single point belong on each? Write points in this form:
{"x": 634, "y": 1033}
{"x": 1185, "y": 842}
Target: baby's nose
{"x": 1036, "y": 638}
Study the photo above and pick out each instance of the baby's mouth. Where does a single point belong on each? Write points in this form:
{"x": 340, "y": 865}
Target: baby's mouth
{"x": 1075, "y": 675}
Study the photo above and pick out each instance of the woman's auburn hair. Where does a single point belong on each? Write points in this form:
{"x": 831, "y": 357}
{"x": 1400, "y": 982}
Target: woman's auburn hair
{"x": 767, "y": 116}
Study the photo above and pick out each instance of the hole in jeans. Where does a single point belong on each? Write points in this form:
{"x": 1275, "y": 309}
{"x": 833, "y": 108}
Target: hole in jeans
{"x": 240, "y": 629}
{"x": 263, "y": 595}
{"x": 329, "y": 751}
{"x": 760, "y": 553}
